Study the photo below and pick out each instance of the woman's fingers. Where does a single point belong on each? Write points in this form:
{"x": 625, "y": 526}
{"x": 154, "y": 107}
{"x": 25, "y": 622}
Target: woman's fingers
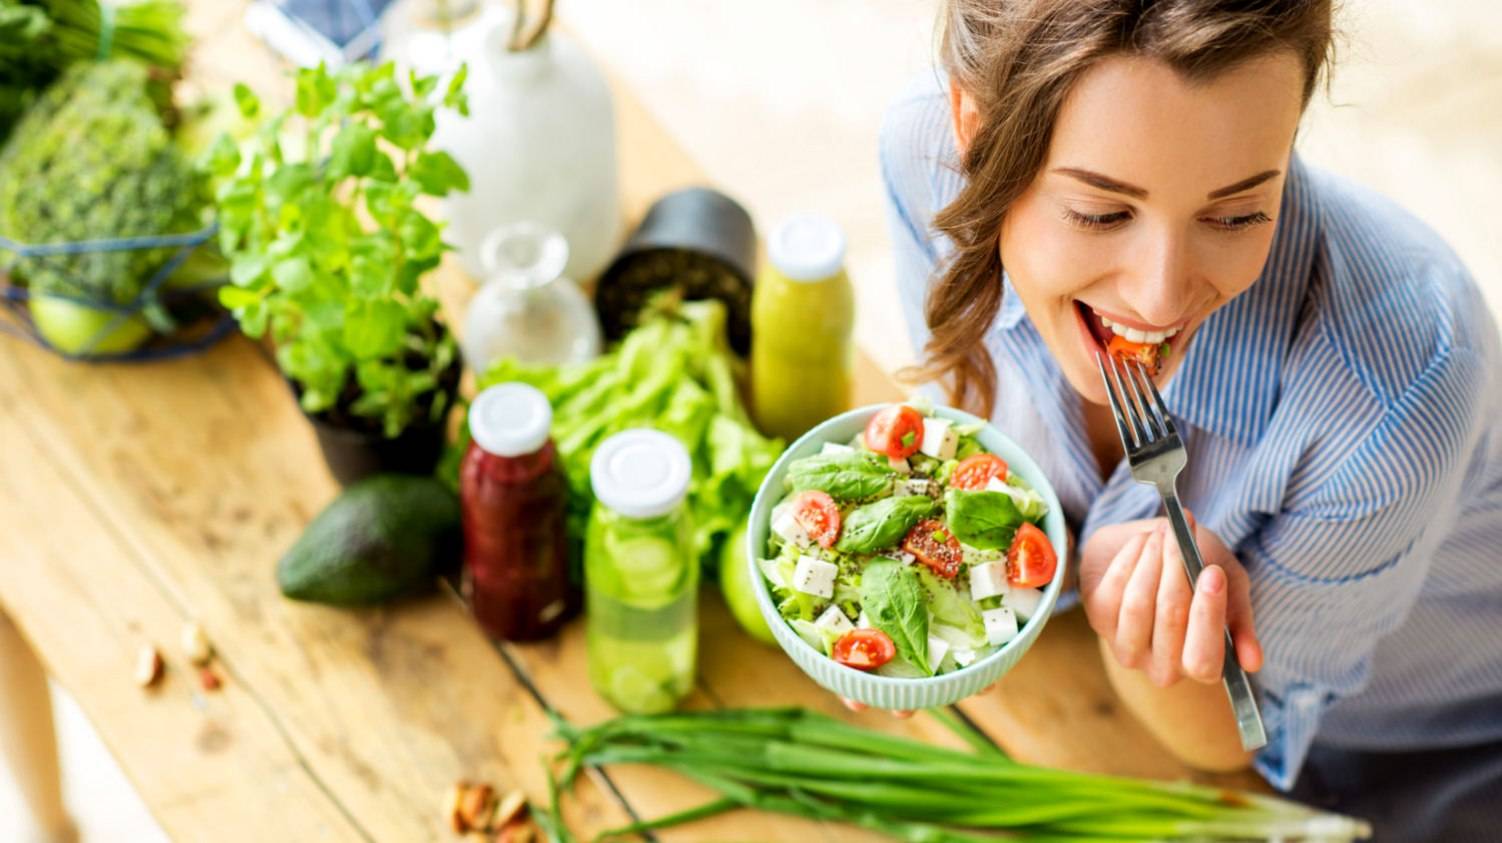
{"x": 1239, "y": 618}
{"x": 1172, "y": 622}
{"x": 1204, "y": 640}
{"x": 1103, "y": 603}
{"x": 1134, "y": 625}
{"x": 853, "y": 705}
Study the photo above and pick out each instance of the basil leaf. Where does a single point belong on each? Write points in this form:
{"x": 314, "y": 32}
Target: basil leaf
{"x": 983, "y": 520}
{"x": 882, "y": 524}
{"x": 852, "y": 477}
{"x": 893, "y": 600}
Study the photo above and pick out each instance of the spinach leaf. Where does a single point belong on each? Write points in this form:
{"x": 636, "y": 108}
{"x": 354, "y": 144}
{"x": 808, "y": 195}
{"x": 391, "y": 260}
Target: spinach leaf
{"x": 851, "y": 477}
{"x": 882, "y": 524}
{"x": 983, "y": 520}
{"x": 893, "y": 599}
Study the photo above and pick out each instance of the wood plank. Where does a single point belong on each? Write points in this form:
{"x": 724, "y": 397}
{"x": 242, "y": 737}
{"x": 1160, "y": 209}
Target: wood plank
{"x": 189, "y": 479}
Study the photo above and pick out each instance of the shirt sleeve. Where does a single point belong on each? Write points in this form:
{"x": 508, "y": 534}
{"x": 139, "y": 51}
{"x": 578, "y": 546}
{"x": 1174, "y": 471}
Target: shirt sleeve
{"x": 914, "y": 133}
{"x": 1341, "y": 566}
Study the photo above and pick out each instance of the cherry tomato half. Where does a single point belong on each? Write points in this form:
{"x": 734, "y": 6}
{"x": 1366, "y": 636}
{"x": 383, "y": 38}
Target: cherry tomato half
{"x": 976, "y": 470}
{"x": 864, "y": 649}
{"x": 1145, "y": 353}
{"x": 1030, "y": 560}
{"x": 936, "y": 547}
{"x": 896, "y": 431}
{"x": 818, "y": 515}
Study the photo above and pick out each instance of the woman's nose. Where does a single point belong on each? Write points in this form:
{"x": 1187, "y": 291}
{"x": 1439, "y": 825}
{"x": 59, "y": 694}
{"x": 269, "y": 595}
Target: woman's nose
{"x": 1160, "y": 287}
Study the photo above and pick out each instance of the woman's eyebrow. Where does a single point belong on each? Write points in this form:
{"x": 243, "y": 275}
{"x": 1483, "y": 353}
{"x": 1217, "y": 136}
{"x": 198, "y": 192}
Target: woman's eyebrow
{"x": 1107, "y": 183}
{"x": 1244, "y": 184}
{"x": 1097, "y": 180}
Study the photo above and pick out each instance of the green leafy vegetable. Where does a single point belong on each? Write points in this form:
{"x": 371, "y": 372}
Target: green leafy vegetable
{"x": 855, "y": 476}
{"x": 949, "y": 606}
{"x": 1029, "y": 503}
{"x": 675, "y": 372}
{"x": 893, "y": 599}
{"x": 40, "y": 39}
{"x": 329, "y": 240}
{"x": 882, "y": 524}
{"x": 983, "y": 520}
{"x": 93, "y": 160}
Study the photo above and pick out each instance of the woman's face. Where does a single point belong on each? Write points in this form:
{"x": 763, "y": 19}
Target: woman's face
{"x": 1156, "y": 205}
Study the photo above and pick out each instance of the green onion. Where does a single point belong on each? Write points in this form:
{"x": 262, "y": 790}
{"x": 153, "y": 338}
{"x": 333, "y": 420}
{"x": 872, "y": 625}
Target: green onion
{"x": 797, "y": 762}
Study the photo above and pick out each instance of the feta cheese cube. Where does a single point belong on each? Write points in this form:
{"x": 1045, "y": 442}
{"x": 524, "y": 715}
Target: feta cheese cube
{"x": 834, "y": 620}
{"x": 988, "y": 580}
{"x": 1024, "y": 601}
{"x": 964, "y": 658}
{"x": 835, "y": 449}
{"x": 1001, "y": 625}
{"x": 937, "y": 649}
{"x": 906, "y": 558}
{"x": 864, "y": 622}
{"x": 784, "y": 524}
{"x": 899, "y": 465}
{"x": 995, "y": 484}
{"x": 913, "y": 486}
{"x": 939, "y": 439}
{"x": 814, "y": 576}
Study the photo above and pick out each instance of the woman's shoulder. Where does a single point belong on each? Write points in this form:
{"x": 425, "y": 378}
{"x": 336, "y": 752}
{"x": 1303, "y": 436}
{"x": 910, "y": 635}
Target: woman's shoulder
{"x": 919, "y": 167}
{"x": 1394, "y": 300}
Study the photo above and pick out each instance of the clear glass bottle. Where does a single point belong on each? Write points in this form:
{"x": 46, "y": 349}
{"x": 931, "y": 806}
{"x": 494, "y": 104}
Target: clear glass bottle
{"x": 513, "y": 496}
{"x": 641, "y": 575}
{"x": 802, "y": 328}
{"x": 528, "y": 309}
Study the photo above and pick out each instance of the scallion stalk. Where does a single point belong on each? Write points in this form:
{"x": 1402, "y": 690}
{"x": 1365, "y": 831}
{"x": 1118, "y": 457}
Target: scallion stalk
{"x": 796, "y": 762}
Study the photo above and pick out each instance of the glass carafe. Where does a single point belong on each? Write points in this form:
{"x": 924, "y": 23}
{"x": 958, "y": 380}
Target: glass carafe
{"x": 528, "y": 309}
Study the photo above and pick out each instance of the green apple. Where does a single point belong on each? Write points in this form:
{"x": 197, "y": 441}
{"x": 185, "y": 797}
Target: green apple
{"x": 736, "y": 584}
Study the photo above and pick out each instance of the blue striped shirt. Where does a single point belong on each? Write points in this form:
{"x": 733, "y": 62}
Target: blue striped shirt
{"x": 1344, "y": 423}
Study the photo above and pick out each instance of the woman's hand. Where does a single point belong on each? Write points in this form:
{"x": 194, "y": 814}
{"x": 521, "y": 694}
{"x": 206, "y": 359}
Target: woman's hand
{"x": 1141, "y": 604}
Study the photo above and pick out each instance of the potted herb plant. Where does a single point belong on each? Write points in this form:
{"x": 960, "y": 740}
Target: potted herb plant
{"x": 319, "y": 214}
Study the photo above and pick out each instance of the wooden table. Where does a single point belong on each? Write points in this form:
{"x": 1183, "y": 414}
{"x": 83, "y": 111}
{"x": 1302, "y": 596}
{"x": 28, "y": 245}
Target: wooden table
{"x": 139, "y": 497}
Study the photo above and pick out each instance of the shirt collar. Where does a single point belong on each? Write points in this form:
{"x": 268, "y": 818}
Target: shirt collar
{"x": 1228, "y": 384}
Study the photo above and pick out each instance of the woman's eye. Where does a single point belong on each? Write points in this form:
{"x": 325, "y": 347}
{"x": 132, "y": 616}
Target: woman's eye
{"x": 1097, "y": 222}
{"x": 1238, "y": 223}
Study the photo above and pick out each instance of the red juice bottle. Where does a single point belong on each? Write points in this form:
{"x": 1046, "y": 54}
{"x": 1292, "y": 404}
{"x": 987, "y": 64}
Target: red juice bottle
{"x": 513, "y": 495}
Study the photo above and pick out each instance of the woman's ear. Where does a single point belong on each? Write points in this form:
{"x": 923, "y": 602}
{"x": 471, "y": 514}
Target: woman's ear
{"x": 965, "y": 115}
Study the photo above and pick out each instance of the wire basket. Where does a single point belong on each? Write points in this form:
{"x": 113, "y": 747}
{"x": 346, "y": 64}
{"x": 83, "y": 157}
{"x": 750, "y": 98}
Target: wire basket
{"x": 184, "y": 318}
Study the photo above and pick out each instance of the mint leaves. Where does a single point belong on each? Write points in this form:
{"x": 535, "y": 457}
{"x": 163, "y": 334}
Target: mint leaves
{"x": 319, "y": 214}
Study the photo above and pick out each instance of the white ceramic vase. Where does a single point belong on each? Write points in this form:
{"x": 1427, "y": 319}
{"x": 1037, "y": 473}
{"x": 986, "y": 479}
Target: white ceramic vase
{"x": 539, "y": 145}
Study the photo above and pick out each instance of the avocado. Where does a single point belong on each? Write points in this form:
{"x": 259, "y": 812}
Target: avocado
{"x": 383, "y": 537}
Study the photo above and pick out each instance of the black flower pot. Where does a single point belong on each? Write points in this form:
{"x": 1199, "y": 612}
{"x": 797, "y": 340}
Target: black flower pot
{"x": 355, "y": 452}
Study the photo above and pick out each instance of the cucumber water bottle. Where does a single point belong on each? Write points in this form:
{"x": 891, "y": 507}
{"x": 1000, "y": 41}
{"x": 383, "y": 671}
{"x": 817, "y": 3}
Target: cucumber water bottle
{"x": 641, "y": 574}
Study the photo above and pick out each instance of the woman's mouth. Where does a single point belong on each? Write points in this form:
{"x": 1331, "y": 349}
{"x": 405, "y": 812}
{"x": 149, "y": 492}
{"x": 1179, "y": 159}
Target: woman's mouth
{"x": 1099, "y": 329}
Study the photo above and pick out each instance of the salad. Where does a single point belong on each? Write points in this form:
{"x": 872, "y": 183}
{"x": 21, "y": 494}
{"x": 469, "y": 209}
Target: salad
{"x": 910, "y": 551}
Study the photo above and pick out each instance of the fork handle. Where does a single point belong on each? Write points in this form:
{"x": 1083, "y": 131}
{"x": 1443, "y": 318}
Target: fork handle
{"x": 1238, "y": 685}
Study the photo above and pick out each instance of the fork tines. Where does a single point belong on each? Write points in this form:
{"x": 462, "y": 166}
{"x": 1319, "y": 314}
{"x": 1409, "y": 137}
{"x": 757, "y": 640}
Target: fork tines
{"x": 1128, "y": 387}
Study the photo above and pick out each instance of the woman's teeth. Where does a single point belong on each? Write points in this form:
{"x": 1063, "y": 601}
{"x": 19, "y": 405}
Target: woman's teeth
{"x": 1136, "y": 334}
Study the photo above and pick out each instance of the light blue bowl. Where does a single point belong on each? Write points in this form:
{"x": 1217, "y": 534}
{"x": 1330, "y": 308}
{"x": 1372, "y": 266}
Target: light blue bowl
{"x": 886, "y": 691}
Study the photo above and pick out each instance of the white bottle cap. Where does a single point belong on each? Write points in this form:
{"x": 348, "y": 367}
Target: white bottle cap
{"x": 807, "y": 247}
{"x": 510, "y": 420}
{"x": 640, "y": 473}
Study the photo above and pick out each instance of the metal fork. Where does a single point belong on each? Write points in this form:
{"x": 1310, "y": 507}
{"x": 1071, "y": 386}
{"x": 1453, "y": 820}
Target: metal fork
{"x": 1156, "y": 455}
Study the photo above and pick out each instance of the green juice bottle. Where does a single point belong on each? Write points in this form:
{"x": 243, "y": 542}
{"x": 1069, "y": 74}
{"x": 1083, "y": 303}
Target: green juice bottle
{"x": 802, "y": 328}
{"x": 641, "y": 574}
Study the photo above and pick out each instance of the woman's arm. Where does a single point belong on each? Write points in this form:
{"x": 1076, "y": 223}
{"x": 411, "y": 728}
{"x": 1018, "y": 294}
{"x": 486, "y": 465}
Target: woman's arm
{"x": 1156, "y": 630}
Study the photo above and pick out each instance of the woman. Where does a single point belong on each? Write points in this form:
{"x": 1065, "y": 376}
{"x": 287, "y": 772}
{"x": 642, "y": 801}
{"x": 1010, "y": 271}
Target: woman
{"x": 1125, "y": 167}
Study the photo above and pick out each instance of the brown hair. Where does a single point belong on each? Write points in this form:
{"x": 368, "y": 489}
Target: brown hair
{"x": 1018, "y": 59}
